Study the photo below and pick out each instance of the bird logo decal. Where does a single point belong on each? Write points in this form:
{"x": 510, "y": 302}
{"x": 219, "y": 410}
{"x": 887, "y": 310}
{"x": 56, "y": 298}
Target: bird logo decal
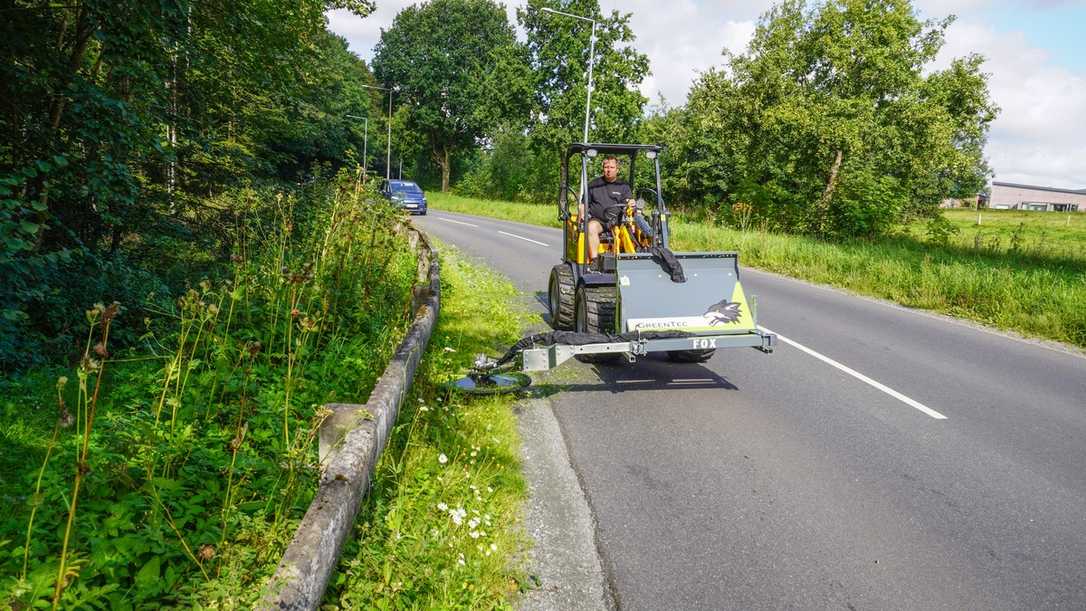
{"x": 723, "y": 312}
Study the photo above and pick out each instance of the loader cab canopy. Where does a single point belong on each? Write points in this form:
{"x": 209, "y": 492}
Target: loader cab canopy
{"x": 592, "y": 150}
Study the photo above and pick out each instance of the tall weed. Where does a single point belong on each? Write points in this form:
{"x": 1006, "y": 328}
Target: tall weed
{"x": 194, "y": 458}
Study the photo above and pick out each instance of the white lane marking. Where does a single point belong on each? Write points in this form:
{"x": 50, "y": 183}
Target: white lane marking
{"x": 520, "y": 237}
{"x": 859, "y": 376}
{"x": 441, "y": 218}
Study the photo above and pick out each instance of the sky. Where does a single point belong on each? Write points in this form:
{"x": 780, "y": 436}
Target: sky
{"x": 1035, "y": 51}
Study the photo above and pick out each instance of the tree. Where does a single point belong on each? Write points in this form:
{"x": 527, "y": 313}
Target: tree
{"x": 558, "y": 50}
{"x": 119, "y": 119}
{"x": 843, "y": 131}
{"x": 457, "y": 66}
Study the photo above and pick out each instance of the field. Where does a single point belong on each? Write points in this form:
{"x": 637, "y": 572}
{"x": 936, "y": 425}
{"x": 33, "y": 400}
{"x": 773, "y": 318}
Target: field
{"x": 1054, "y": 235}
{"x": 1034, "y": 284}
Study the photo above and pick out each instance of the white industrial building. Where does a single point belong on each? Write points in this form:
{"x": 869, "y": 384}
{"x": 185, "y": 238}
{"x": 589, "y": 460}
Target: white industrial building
{"x": 1012, "y": 196}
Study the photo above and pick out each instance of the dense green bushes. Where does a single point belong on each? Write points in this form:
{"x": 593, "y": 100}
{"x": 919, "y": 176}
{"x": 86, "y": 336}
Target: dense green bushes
{"x": 120, "y": 124}
{"x": 188, "y": 458}
{"x": 834, "y": 123}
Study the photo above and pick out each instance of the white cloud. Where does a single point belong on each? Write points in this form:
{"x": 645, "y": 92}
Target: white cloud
{"x": 1040, "y": 133}
{"x": 683, "y": 40}
{"x": 363, "y": 33}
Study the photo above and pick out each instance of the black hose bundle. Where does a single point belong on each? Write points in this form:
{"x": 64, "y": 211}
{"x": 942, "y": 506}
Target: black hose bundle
{"x": 573, "y": 338}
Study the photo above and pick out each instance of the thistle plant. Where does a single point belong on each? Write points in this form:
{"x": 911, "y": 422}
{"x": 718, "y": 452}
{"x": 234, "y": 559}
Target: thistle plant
{"x": 100, "y": 317}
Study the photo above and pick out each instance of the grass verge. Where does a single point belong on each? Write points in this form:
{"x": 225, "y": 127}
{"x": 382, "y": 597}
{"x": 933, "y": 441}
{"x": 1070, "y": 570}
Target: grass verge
{"x": 1024, "y": 291}
{"x": 173, "y": 473}
{"x": 440, "y": 526}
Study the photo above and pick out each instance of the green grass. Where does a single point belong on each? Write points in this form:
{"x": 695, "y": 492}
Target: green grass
{"x": 200, "y": 459}
{"x": 535, "y": 214}
{"x": 1051, "y": 235}
{"x": 1035, "y": 291}
{"x": 439, "y": 529}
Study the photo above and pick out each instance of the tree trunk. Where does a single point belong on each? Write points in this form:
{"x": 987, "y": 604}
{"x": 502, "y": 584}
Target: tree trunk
{"x": 827, "y": 194}
{"x": 84, "y": 31}
{"x": 441, "y": 156}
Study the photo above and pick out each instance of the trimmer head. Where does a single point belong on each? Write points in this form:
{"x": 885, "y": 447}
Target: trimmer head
{"x": 486, "y": 378}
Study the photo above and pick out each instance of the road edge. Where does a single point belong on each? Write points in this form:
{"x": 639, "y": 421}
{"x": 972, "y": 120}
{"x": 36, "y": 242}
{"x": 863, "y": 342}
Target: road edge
{"x": 564, "y": 562}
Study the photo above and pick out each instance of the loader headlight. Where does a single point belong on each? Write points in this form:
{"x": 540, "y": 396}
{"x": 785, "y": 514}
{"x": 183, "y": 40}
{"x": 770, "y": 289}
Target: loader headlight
{"x": 592, "y": 153}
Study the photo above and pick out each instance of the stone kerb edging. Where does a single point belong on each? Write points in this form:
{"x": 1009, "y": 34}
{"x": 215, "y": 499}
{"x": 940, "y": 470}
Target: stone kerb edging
{"x": 351, "y": 442}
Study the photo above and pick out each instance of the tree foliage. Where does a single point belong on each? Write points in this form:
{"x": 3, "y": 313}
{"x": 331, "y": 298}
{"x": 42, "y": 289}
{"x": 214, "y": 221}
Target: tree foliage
{"x": 834, "y": 121}
{"x": 558, "y": 48}
{"x": 457, "y": 67}
{"x": 558, "y": 51}
{"x": 120, "y": 119}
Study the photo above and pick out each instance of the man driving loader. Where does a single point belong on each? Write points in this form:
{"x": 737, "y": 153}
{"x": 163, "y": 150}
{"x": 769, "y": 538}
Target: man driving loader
{"x": 607, "y": 195}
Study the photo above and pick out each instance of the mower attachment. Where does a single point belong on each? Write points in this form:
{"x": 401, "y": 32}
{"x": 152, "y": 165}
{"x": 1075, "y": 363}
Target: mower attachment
{"x": 549, "y": 357}
{"x": 710, "y": 302}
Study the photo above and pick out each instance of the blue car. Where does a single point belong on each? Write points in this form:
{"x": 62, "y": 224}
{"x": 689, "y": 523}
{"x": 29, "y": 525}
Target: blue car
{"x": 406, "y": 194}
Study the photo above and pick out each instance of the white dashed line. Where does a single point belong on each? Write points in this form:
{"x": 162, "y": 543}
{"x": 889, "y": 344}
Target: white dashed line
{"x": 859, "y": 376}
{"x": 520, "y": 237}
{"x": 441, "y": 218}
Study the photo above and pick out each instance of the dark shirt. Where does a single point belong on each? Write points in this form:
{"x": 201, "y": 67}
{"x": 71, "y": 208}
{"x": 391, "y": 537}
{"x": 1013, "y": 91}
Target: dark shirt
{"x": 603, "y": 195}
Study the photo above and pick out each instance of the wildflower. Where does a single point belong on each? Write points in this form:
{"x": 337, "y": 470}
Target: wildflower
{"x": 474, "y": 534}
{"x": 424, "y": 409}
{"x": 457, "y": 515}
{"x": 205, "y": 553}
{"x": 460, "y": 559}
{"x": 450, "y": 349}
{"x": 212, "y": 309}
{"x": 472, "y": 523}
{"x": 442, "y": 507}
{"x": 441, "y": 458}
{"x": 493, "y": 547}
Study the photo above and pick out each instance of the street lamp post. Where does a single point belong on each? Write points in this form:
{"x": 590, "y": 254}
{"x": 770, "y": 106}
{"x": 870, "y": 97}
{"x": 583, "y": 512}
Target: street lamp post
{"x": 365, "y": 141}
{"x": 591, "y": 63}
{"x": 388, "y": 148}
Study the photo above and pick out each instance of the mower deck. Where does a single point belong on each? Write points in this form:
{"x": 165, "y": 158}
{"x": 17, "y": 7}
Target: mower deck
{"x": 549, "y": 357}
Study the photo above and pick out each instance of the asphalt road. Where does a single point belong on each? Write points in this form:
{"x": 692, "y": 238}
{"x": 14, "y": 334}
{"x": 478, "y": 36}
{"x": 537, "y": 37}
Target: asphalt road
{"x": 783, "y": 481}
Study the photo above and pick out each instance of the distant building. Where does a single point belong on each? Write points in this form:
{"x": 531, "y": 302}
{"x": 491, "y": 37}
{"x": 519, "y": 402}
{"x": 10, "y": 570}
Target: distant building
{"x": 1011, "y": 196}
